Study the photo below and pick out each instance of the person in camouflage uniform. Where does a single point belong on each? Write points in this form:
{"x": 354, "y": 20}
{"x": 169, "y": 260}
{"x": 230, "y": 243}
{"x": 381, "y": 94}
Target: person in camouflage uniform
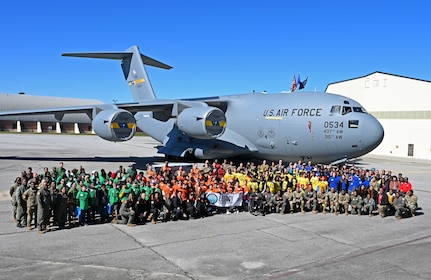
{"x": 343, "y": 201}
{"x": 30, "y": 197}
{"x": 298, "y": 199}
{"x": 287, "y": 201}
{"x": 332, "y": 198}
{"x": 399, "y": 205}
{"x": 21, "y": 204}
{"x": 356, "y": 203}
{"x": 12, "y": 190}
{"x": 411, "y": 202}
{"x": 368, "y": 203}
{"x": 321, "y": 201}
{"x": 310, "y": 200}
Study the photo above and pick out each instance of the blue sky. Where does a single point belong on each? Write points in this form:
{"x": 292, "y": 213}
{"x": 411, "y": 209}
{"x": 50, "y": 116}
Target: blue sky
{"x": 215, "y": 47}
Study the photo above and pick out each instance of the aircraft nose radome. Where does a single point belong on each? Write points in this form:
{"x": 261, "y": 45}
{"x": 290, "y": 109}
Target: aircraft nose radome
{"x": 374, "y": 132}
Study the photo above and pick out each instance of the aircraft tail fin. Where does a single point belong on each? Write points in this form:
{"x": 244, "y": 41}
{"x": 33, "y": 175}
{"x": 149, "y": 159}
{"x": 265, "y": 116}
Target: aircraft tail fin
{"x": 132, "y": 63}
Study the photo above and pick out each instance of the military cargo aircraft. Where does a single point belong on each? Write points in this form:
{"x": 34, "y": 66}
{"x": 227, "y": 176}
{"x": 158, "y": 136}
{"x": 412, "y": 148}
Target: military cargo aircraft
{"x": 320, "y": 127}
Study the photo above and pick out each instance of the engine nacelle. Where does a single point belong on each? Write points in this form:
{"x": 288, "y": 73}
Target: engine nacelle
{"x": 202, "y": 122}
{"x": 114, "y": 125}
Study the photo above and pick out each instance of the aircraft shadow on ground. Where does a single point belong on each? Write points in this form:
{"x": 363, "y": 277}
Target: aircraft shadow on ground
{"x": 140, "y": 162}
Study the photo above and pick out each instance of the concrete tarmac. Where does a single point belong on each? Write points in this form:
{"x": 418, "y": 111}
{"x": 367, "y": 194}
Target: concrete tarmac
{"x": 237, "y": 246}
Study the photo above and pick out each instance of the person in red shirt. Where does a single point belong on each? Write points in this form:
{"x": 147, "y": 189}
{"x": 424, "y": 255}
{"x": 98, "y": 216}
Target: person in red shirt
{"x": 405, "y": 185}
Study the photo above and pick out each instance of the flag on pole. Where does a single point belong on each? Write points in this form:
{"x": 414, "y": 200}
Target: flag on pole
{"x": 299, "y": 80}
{"x": 303, "y": 83}
{"x": 293, "y": 84}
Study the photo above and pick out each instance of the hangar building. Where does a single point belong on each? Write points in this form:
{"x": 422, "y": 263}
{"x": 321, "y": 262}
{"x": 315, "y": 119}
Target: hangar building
{"x": 401, "y": 104}
{"x": 77, "y": 123}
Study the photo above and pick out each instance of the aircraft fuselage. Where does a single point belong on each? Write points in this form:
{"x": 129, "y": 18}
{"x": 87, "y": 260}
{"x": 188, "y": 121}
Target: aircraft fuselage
{"x": 304, "y": 125}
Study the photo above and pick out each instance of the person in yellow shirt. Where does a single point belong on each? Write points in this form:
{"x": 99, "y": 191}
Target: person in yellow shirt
{"x": 314, "y": 179}
{"x": 229, "y": 176}
{"x": 322, "y": 185}
{"x": 240, "y": 176}
{"x": 303, "y": 179}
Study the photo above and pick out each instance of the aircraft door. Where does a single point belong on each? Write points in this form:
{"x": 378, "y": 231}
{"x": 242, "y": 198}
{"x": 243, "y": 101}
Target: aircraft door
{"x": 332, "y": 147}
{"x": 288, "y": 145}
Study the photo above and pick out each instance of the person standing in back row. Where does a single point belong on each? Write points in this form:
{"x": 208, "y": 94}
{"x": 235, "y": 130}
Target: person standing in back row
{"x": 43, "y": 197}
{"x": 83, "y": 199}
{"x": 30, "y": 197}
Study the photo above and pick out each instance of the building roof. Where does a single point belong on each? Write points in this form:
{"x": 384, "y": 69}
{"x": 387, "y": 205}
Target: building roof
{"x": 377, "y": 72}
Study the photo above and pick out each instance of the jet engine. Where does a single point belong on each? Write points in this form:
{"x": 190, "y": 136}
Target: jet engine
{"x": 114, "y": 125}
{"x": 202, "y": 122}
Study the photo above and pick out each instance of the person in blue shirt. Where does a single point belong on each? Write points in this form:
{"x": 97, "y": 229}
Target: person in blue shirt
{"x": 333, "y": 180}
{"x": 309, "y": 166}
{"x": 343, "y": 183}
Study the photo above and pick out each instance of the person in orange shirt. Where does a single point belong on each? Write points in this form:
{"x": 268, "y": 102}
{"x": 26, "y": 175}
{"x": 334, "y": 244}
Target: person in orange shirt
{"x": 184, "y": 192}
{"x": 214, "y": 188}
{"x": 238, "y": 188}
{"x": 195, "y": 171}
{"x": 180, "y": 174}
{"x": 150, "y": 172}
{"x": 166, "y": 167}
{"x": 167, "y": 189}
{"x": 176, "y": 186}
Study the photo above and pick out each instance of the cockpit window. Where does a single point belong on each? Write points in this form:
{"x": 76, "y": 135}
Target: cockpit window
{"x": 336, "y": 110}
{"x": 359, "y": 110}
{"x": 347, "y": 109}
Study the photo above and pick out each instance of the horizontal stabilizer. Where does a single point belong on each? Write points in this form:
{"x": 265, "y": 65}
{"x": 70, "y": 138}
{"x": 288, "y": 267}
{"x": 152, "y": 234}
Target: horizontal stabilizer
{"x": 133, "y": 65}
{"x": 120, "y": 56}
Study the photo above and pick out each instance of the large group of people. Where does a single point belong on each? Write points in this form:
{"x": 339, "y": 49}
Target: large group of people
{"x": 67, "y": 198}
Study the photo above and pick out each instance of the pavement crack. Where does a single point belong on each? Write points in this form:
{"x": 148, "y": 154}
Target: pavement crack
{"x": 151, "y": 248}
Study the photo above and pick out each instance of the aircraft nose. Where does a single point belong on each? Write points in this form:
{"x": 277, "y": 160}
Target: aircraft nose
{"x": 374, "y": 133}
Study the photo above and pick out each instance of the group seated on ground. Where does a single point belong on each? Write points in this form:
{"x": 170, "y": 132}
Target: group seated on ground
{"x": 60, "y": 197}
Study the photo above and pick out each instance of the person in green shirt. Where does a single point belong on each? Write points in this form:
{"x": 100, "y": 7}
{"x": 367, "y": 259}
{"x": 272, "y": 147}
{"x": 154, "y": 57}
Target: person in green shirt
{"x": 83, "y": 198}
{"x": 131, "y": 171}
{"x": 124, "y": 192}
{"x": 148, "y": 191}
{"x": 114, "y": 200}
{"x": 60, "y": 170}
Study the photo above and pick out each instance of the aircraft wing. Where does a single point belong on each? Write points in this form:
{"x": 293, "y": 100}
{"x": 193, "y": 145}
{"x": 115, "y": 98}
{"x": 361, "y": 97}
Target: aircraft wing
{"x": 157, "y": 105}
{"x": 162, "y": 110}
{"x": 59, "y": 112}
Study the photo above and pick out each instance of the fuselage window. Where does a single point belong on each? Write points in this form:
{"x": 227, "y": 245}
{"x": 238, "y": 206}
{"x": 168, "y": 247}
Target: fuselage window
{"x": 336, "y": 110}
{"x": 347, "y": 110}
{"x": 353, "y": 123}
